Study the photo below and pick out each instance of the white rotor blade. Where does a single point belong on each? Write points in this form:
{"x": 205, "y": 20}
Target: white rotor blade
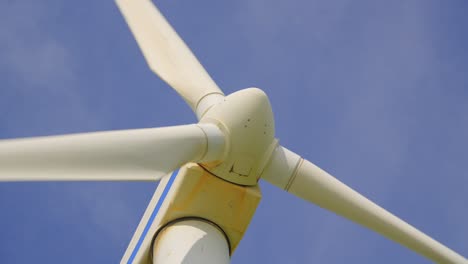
{"x": 305, "y": 180}
{"x": 126, "y": 155}
{"x": 167, "y": 54}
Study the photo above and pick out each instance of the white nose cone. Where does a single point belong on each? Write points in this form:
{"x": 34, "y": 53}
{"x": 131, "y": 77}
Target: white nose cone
{"x": 247, "y": 120}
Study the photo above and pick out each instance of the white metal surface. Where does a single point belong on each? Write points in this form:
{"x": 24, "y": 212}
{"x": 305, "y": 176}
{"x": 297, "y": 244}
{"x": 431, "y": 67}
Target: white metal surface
{"x": 207, "y": 102}
{"x": 215, "y": 143}
{"x": 235, "y": 141}
{"x": 191, "y": 242}
{"x": 194, "y": 192}
{"x": 138, "y": 250}
{"x": 246, "y": 119}
{"x": 166, "y": 53}
{"x": 140, "y": 154}
{"x": 307, "y": 181}
{"x": 283, "y": 164}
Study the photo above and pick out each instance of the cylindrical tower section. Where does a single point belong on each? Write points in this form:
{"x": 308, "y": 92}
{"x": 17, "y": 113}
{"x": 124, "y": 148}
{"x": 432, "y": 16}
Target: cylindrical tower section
{"x": 194, "y": 241}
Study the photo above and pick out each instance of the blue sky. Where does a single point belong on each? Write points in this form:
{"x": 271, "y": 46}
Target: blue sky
{"x": 375, "y": 92}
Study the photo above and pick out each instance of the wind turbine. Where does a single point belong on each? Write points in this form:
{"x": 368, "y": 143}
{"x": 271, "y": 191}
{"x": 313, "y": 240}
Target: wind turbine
{"x": 11, "y": 163}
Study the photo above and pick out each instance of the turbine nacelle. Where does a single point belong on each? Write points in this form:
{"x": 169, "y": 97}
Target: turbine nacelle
{"x": 246, "y": 119}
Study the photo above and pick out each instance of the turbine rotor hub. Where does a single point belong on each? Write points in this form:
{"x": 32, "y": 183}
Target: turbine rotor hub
{"x": 246, "y": 119}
